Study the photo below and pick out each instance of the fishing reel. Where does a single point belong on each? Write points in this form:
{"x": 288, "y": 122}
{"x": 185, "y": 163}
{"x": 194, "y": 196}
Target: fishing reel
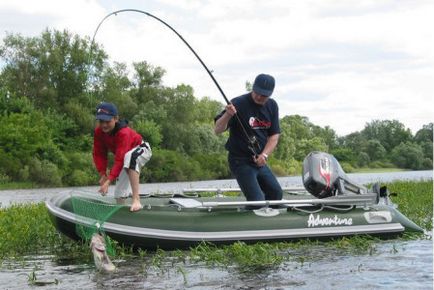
{"x": 254, "y": 145}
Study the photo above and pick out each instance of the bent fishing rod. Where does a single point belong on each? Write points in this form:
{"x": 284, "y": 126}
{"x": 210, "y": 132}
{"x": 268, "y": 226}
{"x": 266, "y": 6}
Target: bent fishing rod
{"x": 253, "y": 143}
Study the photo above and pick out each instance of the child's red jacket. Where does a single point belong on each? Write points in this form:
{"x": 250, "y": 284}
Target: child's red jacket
{"x": 121, "y": 140}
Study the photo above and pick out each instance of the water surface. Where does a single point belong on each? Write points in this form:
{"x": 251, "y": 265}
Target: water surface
{"x": 392, "y": 264}
{"x": 35, "y": 195}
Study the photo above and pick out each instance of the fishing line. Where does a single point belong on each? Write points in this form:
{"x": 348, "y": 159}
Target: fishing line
{"x": 253, "y": 143}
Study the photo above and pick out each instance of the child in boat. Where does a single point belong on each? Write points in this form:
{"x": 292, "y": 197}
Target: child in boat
{"x": 131, "y": 153}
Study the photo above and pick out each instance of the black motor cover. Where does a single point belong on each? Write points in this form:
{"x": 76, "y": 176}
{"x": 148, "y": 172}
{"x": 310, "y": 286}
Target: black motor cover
{"x": 321, "y": 173}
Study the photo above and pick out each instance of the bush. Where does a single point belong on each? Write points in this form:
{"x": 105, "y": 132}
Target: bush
{"x": 80, "y": 169}
{"x": 168, "y": 165}
{"x": 24, "y": 173}
{"x": 278, "y": 170}
{"x": 376, "y": 164}
{"x": 363, "y": 159}
{"x": 150, "y": 131}
{"x": 343, "y": 154}
{"x": 214, "y": 166}
{"x": 295, "y": 167}
{"x": 347, "y": 167}
{"x": 9, "y": 165}
{"x": 408, "y": 155}
{"x": 44, "y": 172}
{"x": 80, "y": 178}
{"x": 279, "y": 167}
{"x": 427, "y": 163}
{"x": 4, "y": 178}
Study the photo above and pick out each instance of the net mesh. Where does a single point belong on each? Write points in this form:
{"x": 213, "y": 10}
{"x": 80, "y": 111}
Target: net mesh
{"x": 99, "y": 212}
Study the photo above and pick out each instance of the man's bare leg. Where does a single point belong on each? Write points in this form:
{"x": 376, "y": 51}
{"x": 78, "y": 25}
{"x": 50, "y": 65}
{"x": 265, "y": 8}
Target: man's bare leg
{"x": 134, "y": 181}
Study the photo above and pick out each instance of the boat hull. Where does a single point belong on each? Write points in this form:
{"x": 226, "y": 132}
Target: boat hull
{"x": 164, "y": 225}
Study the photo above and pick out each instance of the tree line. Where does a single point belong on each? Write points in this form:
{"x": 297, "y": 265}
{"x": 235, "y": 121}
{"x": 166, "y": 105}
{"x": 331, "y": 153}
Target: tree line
{"x": 51, "y": 84}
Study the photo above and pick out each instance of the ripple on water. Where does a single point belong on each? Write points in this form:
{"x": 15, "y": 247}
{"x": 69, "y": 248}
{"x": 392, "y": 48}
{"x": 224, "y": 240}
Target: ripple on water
{"x": 394, "y": 265}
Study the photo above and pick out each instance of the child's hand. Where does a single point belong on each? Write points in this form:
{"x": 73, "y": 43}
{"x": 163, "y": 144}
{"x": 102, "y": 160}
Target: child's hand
{"x": 102, "y": 180}
{"x": 104, "y": 187}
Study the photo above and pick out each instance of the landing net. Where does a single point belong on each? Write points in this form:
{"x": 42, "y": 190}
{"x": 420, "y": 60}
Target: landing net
{"x": 99, "y": 212}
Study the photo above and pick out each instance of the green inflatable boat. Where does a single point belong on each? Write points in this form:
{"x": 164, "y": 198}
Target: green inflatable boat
{"x": 339, "y": 207}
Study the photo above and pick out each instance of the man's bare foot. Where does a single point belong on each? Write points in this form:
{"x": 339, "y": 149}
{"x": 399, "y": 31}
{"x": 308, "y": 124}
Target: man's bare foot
{"x": 136, "y": 206}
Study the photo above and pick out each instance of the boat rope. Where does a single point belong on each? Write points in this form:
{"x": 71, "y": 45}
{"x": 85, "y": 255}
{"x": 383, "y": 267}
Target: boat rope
{"x": 253, "y": 142}
{"x": 308, "y": 211}
{"x": 322, "y": 207}
{"x": 343, "y": 209}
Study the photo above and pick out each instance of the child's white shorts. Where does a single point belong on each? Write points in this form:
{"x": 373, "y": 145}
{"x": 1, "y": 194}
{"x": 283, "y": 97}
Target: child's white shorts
{"x": 134, "y": 159}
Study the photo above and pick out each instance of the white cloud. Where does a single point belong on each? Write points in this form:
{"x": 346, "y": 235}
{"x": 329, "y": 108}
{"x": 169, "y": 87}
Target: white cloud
{"x": 77, "y": 16}
{"x": 340, "y": 63}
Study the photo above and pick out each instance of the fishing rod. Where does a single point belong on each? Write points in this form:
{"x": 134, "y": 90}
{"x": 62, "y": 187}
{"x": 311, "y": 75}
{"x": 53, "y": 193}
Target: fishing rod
{"x": 253, "y": 142}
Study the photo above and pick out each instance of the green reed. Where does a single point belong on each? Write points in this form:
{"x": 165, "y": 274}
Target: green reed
{"x": 414, "y": 200}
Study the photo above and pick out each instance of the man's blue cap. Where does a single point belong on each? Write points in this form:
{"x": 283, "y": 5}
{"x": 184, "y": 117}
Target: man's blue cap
{"x": 264, "y": 85}
{"x": 106, "y": 111}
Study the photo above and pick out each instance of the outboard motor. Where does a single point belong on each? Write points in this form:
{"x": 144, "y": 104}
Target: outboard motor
{"x": 323, "y": 176}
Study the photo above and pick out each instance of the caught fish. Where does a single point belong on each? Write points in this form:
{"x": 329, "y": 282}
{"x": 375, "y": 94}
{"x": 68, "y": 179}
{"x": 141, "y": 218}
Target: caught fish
{"x": 100, "y": 257}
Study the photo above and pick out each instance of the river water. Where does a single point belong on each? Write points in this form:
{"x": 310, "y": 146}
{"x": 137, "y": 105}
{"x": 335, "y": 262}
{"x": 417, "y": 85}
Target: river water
{"x": 8, "y": 197}
{"x": 391, "y": 264}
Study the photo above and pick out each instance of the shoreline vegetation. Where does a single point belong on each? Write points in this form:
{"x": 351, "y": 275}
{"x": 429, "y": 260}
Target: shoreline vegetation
{"x": 47, "y": 112}
{"x": 27, "y": 230}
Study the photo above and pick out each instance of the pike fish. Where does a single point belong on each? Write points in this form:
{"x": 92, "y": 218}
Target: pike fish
{"x": 100, "y": 257}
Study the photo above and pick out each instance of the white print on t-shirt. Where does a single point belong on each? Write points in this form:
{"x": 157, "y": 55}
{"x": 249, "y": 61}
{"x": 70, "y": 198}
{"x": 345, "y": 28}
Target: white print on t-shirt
{"x": 255, "y": 123}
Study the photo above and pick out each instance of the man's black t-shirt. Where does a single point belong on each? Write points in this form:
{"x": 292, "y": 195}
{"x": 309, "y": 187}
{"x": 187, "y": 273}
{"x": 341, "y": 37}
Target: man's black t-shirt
{"x": 258, "y": 120}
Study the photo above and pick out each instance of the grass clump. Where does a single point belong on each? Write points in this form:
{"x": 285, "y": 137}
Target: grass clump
{"x": 24, "y": 228}
{"x": 27, "y": 229}
{"x": 414, "y": 200}
{"x": 243, "y": 255}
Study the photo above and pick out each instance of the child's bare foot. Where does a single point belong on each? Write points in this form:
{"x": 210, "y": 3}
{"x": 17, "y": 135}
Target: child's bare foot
{"x": 136, "y": 206}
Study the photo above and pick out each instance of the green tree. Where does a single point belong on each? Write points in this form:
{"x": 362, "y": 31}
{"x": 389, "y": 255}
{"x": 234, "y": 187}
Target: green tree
{"x": 116, "y": 89}
{"x": 363, "y": 159}
{"x": 425, "y": 134}
{"x": 305, "y": 146}
{"x": 344, "y": 154}
{"x": 285, "y": 150}
{"x": 147, "y": 83}
{"x": 206, "y": 110}
{"x": 354, "y": 141}
{"x": 408, "y": 155}
{"x": 424, "y": 137}
{"x": 150, "y": 131}
{"x": 375, "y": 150}
{"x": 50, "y": 69}
{"x": 27, "y": 136}
{"x": 304, "y": 136}
{"x": 390, "y": 133}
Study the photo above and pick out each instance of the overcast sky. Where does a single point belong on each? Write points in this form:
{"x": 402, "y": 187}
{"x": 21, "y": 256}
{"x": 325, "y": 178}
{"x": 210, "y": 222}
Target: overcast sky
{"x": 341, "y": 63}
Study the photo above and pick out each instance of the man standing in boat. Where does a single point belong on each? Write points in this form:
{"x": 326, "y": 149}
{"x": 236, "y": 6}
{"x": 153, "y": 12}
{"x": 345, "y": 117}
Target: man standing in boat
{"x": 130, "y": 154}
{"x": 253, "y": 122}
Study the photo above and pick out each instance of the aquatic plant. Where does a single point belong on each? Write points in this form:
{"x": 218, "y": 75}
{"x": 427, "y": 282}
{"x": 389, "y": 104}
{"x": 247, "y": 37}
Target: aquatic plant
{"x": 415, "y": 200}
{"x": 34, "y": 281}
{"x": 27, "y": 229}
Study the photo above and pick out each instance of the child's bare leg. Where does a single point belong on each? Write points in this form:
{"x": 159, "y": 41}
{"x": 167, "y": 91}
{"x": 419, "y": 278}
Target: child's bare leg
{"x": 134, "y": 181}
